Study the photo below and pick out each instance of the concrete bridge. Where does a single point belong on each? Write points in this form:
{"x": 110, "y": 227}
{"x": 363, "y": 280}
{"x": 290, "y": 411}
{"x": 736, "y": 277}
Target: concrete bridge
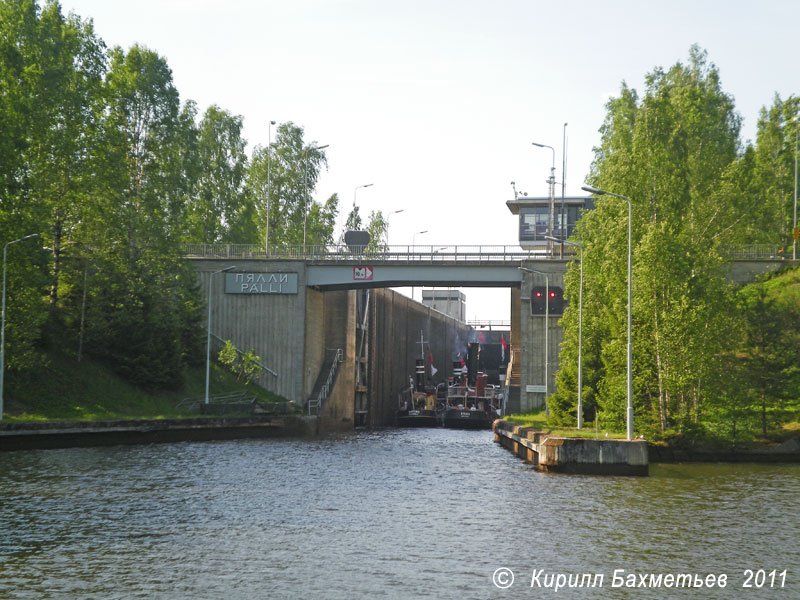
{"x": 339, "y": 342}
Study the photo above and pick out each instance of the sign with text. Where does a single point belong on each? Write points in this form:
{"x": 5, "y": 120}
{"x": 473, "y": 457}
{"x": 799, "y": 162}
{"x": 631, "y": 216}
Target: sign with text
{"x": 260, "y": 283}
{"x": 362, "y": 273}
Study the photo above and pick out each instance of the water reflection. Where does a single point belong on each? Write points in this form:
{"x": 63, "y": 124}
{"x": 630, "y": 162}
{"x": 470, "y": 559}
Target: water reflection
{"x": 399, "y": 513}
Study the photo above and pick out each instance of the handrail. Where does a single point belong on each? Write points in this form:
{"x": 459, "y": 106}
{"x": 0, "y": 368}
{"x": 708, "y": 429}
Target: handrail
{"x": 337, "y": 252}
{"x": 429, "y": 253}
{"x": 325, "y": 390}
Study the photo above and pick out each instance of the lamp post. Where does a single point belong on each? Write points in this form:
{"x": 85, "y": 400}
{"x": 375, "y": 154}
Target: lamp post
{"x": 3, "y": 319}
{"x": 269, "y": 154}
{"x": 413, "y": 245}
{"x": 563, "y": 233}
{"x": 358, "y": 187}
{"x": 394, "y": 212}
{"x": 546, "y": 334}
{"x": 597, "y": 192}
{"x": 552, "y": 182}
{"x": 580, "y": 331}
{"x": 794, "y": 230}
{"x": 208, "y": 328}
{"x": 305, "y": 195}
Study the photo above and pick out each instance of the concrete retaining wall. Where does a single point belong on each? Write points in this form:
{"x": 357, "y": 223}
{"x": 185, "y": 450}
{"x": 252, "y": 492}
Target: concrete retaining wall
{"x": 339, "y": 332}
{"x": 394, "y": 348}
{"x": 531, "y": 336}
{"x": 274, "y": 325}
{"x": 573, "y": 455}
{"x": 28, "y": 436}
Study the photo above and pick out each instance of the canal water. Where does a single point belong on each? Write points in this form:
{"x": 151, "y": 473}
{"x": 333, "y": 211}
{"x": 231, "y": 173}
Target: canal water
{"x": 390, "y": 514}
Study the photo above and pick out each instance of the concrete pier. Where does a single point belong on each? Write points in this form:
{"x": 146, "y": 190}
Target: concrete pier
{"x": 573, "y": 455}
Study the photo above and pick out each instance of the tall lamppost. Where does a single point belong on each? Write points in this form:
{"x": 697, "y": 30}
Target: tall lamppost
{"x": 208, "y": 327}
{"x": 597, "y": 192}
{"x": 413, "y": 245}
{"x": 3, "y": 319}
{"x": 546, "y": 334}
{"x": 305, "y": 195}
{"x": 563, "y": 233}
{"x": 794, "y": 230}
{"x": 358, "y": 187}
{"x": 552, "y": 182}
{"x": 269, "y": 154}
{"x": 580, "y": 330}
{"x": 394, "y": 212}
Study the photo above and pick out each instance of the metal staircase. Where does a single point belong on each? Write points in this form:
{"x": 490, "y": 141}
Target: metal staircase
{"x": 325, "y": 380}
{"x": 511, "y": 392}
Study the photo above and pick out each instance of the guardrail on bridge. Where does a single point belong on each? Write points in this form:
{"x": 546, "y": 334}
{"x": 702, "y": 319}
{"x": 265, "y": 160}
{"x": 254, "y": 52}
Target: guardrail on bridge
{"x": 432, "y": 253}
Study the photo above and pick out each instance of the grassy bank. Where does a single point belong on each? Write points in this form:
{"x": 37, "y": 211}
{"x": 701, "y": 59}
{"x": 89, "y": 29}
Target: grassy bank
{"x": 538, "y": 420}
{"x": 64, "y": 389}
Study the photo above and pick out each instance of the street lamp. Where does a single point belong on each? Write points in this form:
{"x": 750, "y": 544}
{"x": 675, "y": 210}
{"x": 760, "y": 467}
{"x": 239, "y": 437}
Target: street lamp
{"x": 394, "y": 212}
{"x": 794, "y": 230}
{"x": 597, "y": 192}
{"x": 269, "y": 154}
{"x": 208, "y": 327}
{"x": 580, "y": 330}
{"x": 305, "y": 195}
{"x": 563, "y": 229}
{"x": 358, "y": 187}
{"x": 414, "y": 245}
{"x": 3, "y": 319}
{"x": 552, "y": 182}
{"x": 546, "y": 336}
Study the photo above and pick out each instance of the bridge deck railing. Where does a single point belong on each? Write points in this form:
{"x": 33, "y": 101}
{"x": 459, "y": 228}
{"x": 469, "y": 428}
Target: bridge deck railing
{"x": 336, "y": 252}
{"x": 432, "y": 253}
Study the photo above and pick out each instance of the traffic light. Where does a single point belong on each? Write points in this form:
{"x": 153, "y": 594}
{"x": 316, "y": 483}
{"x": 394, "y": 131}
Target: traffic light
{"x": 541, "y": 295}
{"x": 556, "y": 301}
{"x": 538, "y": 301}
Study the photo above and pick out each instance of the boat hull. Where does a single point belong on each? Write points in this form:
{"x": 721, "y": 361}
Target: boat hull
{"x": 455, "y": 418}
{"x": 422, "y": 418}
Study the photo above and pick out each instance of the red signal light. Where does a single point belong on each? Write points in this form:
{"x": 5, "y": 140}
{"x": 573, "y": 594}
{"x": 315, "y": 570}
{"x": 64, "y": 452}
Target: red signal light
{"x": 552, "y": 294}
{"x": 538, "y": 294}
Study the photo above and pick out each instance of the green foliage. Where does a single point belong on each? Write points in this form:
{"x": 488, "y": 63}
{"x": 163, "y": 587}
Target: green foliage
{"x": 245, "y": 366}
{"x": 64, "y": 389}
{"x": 289, "y": 168}
{"x": 378, "y": 227}
{"x": 221, "y": 211}
{"x": 675, "y": 153}
{"x": 773, "y": 171}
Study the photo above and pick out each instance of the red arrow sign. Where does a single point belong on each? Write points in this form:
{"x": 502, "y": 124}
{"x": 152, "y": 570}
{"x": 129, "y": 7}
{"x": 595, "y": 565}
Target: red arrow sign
{"x": 362, "y": 273}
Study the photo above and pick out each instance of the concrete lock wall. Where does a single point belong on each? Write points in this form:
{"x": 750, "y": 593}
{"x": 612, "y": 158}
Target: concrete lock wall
{"x": 339, "y": 333}
{"x": 394, "y": 347}
{"x": 274, "y": 325}
{"x": 530, "y": 339}
{"x": 295, "y": 333}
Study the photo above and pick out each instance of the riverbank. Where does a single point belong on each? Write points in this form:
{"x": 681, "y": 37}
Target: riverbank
{"x": 583, "y": 454}
{"x": 69, "y": 434}
{"x": 64, "y": 389}
{"x": 787, "y": 452}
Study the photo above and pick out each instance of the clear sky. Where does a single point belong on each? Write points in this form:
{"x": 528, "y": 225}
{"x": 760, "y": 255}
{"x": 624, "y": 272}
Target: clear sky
{"x": 437, "y": 102}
